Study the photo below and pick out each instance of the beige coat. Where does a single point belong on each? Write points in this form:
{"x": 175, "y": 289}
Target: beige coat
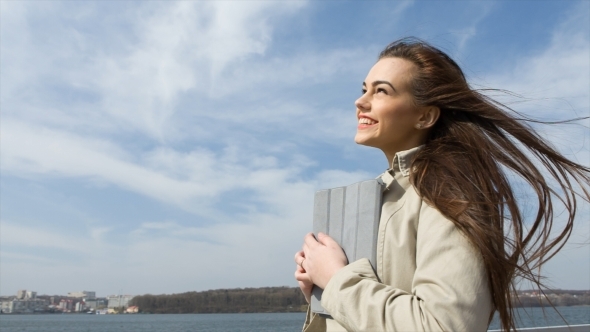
{"x": 429, "y": 277}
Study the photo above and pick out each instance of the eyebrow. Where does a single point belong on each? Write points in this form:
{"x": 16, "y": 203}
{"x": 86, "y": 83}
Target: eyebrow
{"x": 375, "y": 83}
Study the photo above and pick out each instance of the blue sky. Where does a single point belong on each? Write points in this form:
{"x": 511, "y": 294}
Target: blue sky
{"x": 164, "y": 147}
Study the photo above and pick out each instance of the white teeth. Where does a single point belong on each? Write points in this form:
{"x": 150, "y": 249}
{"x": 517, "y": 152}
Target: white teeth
{"x": 366, "y": 121}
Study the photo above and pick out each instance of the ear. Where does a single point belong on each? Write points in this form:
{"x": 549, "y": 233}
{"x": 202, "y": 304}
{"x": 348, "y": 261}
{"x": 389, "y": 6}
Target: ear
{"x": 429, "y": 116}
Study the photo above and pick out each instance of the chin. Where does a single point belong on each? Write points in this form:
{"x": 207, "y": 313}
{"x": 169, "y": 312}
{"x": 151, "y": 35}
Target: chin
{"x": 363, "y": 141}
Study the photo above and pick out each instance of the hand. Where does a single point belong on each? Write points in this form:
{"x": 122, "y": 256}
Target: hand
{"x": 323, "y": 258}
{"x": 305, "y": 283}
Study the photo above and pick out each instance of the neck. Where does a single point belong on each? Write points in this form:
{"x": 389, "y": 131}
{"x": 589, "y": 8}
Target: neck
{"x": 389, "y": 157}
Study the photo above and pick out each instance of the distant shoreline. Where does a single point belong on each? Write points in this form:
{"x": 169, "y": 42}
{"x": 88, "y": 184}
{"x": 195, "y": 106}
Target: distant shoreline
{"x": 290, "y": 299}
{"x": 276, "y": 300}
{"x": 210, "y": 313}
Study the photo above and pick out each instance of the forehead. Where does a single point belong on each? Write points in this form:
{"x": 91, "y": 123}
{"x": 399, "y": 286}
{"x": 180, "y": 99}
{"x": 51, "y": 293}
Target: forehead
{"x": 394, "y": 70}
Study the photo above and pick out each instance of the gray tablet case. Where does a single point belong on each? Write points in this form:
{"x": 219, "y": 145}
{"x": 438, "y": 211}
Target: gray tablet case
{"x": 350, "y": 215}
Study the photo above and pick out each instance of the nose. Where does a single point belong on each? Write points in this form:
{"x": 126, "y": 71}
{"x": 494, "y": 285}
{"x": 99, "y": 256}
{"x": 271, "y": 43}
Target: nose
{"x": 362, "y": 103}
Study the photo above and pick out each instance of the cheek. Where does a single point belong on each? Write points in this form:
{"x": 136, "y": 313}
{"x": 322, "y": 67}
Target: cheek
{"x": 399, "y": 117}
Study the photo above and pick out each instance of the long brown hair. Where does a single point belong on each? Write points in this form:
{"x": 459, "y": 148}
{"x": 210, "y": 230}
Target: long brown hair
{"x": 461, "y": 171}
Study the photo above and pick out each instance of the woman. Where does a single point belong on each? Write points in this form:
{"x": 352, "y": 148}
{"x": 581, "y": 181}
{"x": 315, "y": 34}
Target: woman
{"x": 452, "y": 239}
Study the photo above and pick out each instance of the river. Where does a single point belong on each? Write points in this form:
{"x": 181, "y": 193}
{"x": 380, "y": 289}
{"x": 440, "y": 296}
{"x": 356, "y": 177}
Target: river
{"x": 271, "y": 322}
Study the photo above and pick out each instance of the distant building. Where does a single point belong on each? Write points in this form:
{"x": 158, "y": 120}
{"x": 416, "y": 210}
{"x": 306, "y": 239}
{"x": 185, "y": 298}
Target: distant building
{"x": 116, "y": 301}
{"x": 132, "y": 309}
{"x": 25, "y": 302}
{"x": 96, "y": 303}
{"x": 21, "y": 293}
{"x": 66, "y": 305}
{"x": 24, "y": 306}
{"x": 80, "y": 306}
{"x": 82, "y": 294}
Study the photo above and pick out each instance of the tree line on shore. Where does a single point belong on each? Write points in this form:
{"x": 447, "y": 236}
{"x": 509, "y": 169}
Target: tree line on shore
{"x": 246, "y": 300}
{"x": 290, "y": 299}
{"x": 557, "y": 298}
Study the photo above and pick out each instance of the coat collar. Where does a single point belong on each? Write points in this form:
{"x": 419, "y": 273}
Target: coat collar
{"x": 400, "y": 166}
{"x": 403, "y": 160}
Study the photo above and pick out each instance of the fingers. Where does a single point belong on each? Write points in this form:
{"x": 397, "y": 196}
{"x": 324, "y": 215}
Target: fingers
{"x": 299, "y": 269}
{"x": 326, "y": 240}
{"x": 310, "y": 241}
{"x": 299, "y": 258}
{"x": 319, "y": 260}
{"x": 322, "y": 238}
{"x": 302, "y": 276}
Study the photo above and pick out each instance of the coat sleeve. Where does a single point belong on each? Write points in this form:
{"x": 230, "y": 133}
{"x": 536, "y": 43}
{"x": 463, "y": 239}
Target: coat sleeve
{"x": 449, "y": 288}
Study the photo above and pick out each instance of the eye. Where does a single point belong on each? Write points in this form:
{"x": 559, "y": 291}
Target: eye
{"x": 381, "y": 90}
{"x": 364, "y": 91}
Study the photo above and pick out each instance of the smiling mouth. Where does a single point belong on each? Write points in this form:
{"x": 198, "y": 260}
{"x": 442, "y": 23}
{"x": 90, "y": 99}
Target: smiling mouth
{"x": 366, "y": 122}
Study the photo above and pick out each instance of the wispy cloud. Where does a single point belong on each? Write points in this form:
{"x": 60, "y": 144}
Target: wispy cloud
{"x": 554, "y": 84}
{"x": 176, "y": 47}
{"x": 465, "y": 34}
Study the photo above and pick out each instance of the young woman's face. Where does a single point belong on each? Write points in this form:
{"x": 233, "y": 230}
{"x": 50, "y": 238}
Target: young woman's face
{"x": 387, "y": 116}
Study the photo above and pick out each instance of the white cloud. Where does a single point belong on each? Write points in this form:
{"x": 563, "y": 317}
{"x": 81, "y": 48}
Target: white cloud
{"x": 338, "y": 178}
{"x": 191, "y": 180}
{"x": 36, "y": 150}
{"x": 260, "y": 250}
{"x": 401, "y": 8}
{"x": 212, "y": 52}
{"x": 556, "y": 78}
{"x": 465, "y": 34}
{"x": 307, "y": 68}
{"x": 31, "y": 237}
{"x": 555, "y": 85}
{"x": 177, "y": 47}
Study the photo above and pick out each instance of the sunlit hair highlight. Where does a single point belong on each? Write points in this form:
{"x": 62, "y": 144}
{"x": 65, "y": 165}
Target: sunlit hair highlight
{"x": 461, "y": 171}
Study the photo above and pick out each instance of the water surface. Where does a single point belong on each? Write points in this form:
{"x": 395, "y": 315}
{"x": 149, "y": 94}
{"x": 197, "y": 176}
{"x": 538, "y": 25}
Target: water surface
{"x": 271, "y": 322}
